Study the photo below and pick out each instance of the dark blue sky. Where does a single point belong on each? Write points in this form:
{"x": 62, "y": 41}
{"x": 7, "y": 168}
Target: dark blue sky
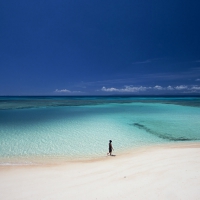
{"x": 87, "y": 47}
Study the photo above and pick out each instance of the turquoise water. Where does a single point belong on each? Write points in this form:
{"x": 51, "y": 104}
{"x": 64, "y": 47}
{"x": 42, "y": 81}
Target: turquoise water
{"x": 66, "y": 128}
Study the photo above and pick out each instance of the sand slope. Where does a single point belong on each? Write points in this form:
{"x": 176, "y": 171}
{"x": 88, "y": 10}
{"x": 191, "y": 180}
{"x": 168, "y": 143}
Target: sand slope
{"x": 153, "y": 173}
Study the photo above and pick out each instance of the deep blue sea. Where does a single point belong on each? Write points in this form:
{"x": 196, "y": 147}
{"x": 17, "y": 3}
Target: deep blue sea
{"x": 80, "y": 127}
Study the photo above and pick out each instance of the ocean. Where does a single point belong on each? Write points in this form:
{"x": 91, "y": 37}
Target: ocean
{"x": 73, "y": 128}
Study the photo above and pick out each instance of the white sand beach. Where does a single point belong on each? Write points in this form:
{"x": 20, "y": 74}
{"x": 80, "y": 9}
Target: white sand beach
{"x": 165, "y": 172}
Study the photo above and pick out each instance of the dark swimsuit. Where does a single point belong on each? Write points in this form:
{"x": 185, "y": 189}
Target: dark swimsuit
{"x": 110, "y": 148}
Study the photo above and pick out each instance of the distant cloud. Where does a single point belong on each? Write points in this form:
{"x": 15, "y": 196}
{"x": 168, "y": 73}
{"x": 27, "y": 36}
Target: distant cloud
{"x": 109, "y": 89}
{"x": 170, "y": 88}
{"x": 195, "y": 88}
{"x": 63, "y": 91}
{"x": 126, "y": 89}
{"x": 132, "y": 79}
{"x": 66, "y": 91}
{"x": 158, "y": 87}
{"x": 181, "y": 88}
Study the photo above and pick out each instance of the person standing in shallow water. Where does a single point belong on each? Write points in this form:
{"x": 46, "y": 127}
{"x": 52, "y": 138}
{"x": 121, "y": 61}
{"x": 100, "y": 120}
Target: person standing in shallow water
{"x": 110, "y": 148}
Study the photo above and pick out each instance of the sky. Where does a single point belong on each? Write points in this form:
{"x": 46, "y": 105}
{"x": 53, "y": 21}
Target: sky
{"x": 99, "y": 47}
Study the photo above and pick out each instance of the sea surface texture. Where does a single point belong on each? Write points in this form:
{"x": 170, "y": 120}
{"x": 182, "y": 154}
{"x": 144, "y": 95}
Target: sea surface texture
{"x": 81, "y": 127}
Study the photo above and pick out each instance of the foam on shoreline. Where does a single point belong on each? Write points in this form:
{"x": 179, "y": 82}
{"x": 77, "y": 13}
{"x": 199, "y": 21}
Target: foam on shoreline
{"x": 61, "y": 160}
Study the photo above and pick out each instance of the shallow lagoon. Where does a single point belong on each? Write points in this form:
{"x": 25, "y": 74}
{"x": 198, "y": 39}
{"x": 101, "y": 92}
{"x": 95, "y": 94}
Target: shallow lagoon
{"x": 67, "y": 128}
